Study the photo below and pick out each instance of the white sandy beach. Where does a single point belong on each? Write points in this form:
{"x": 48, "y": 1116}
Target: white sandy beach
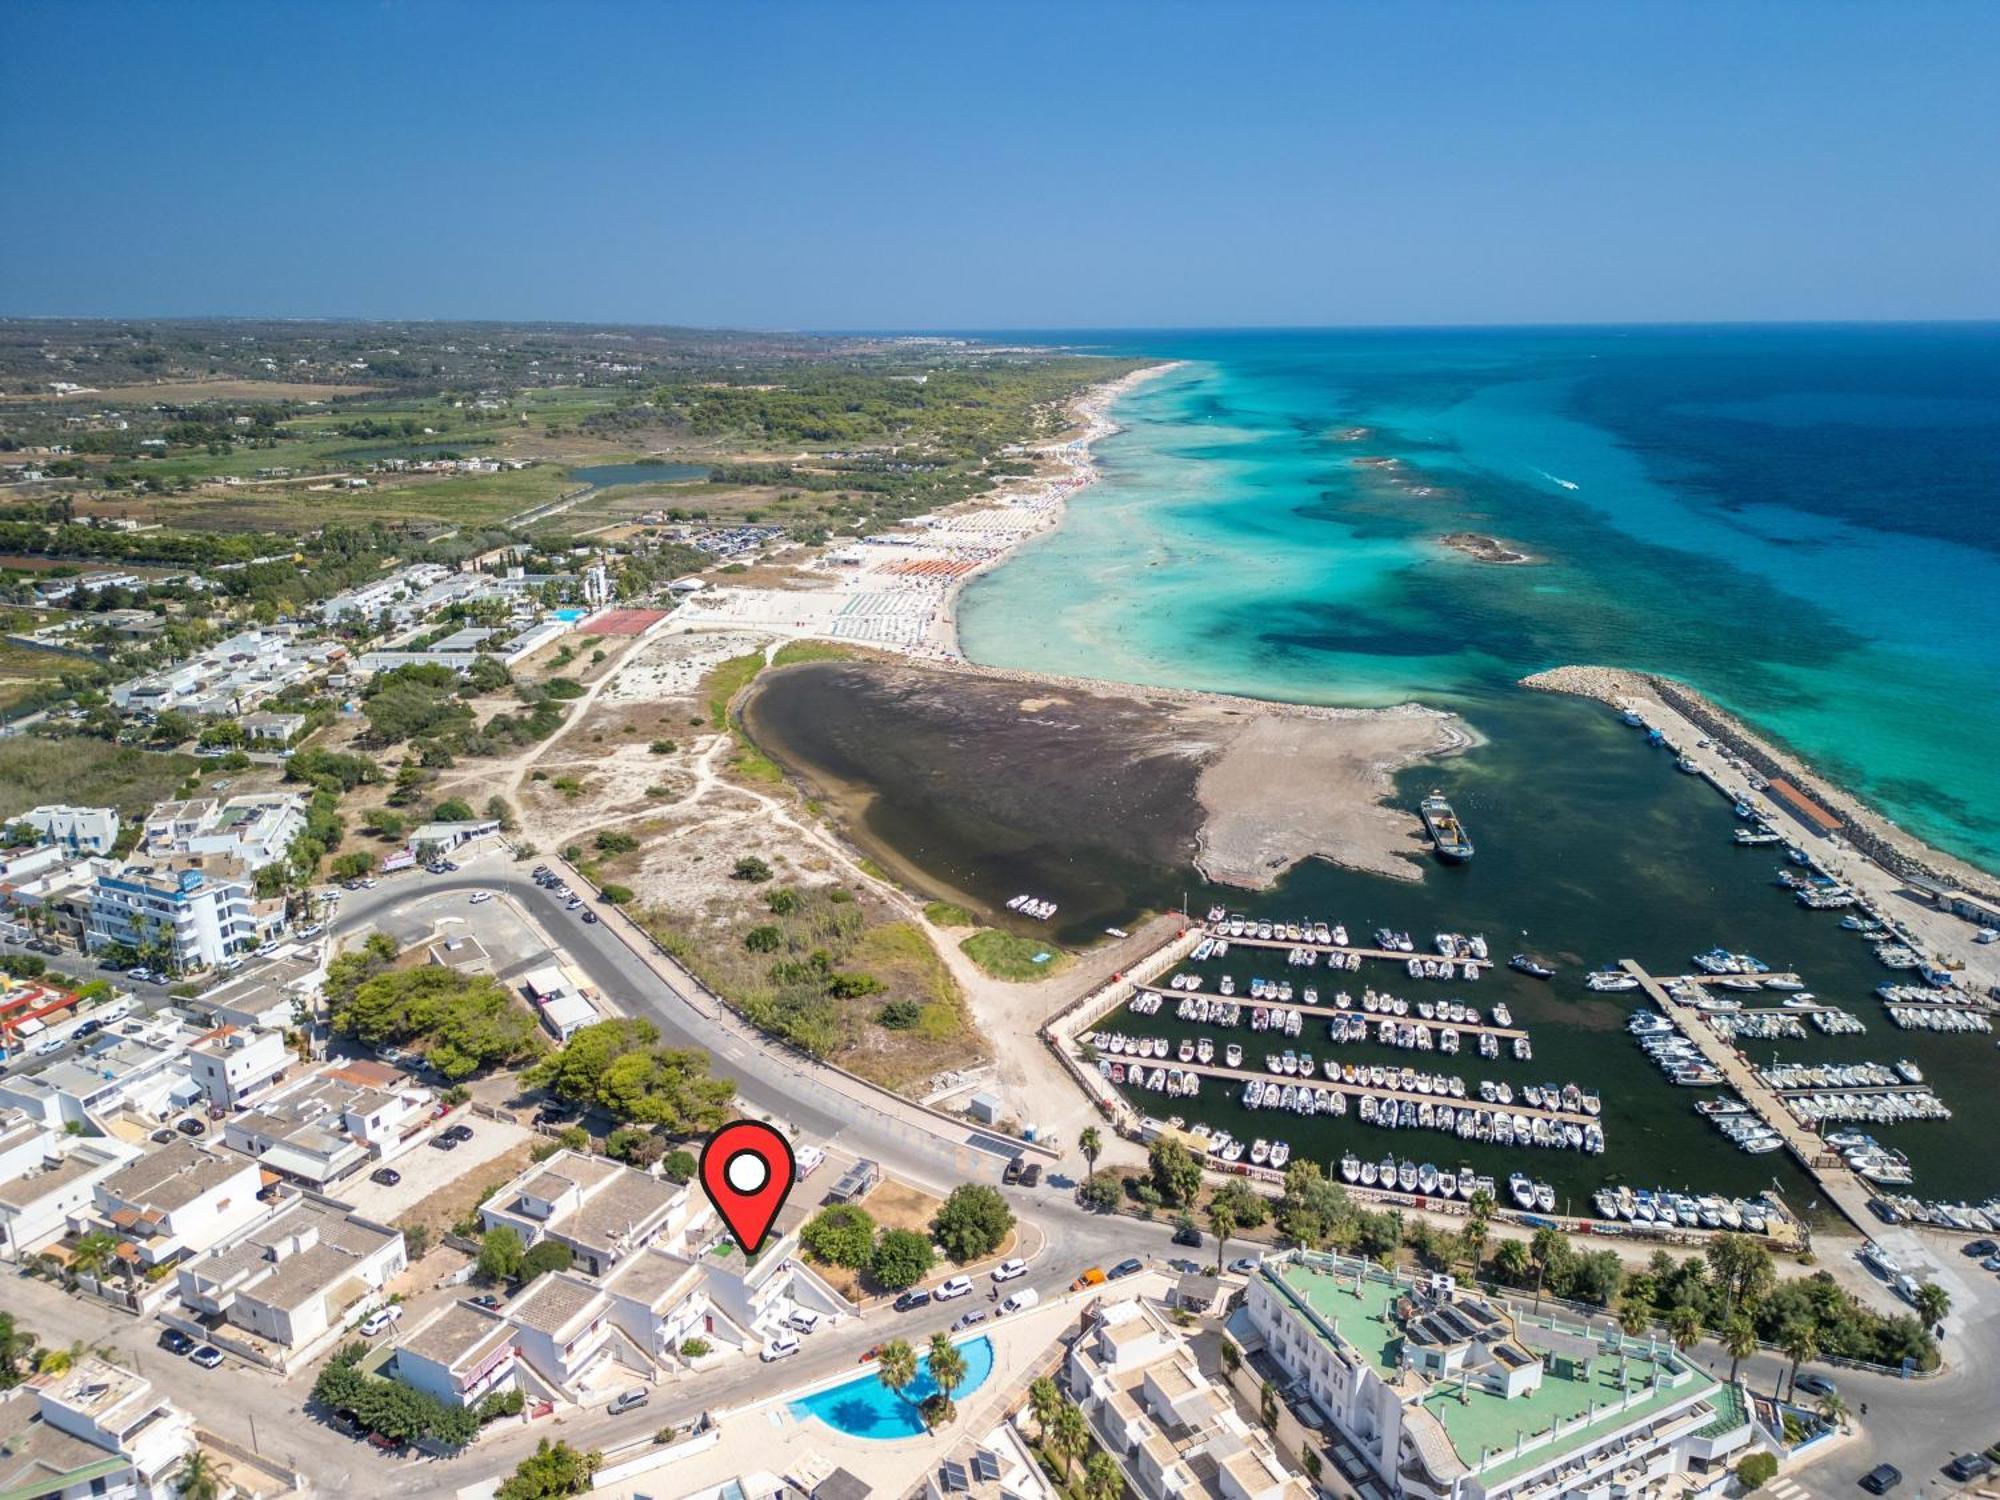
{"x": 898, "y": 591}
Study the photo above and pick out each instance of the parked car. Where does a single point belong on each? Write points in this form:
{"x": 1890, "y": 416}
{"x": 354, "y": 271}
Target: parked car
{"x": 163, "y": 1137}
{"x": 1007, "y": 1270}
{"x": 590, "y": 919}
{"x": 175, "y": 1342}
{"x": 480, "y": 898}
{"x": 50, "y": 1046}
{"x": 572, "y": 904}
{"x": 1011, "y": 1173}
{"x": 781, "y": 1345}
{"x": 1188, "y": 1235}
{"x": 266, "y": 949}
{"x": 958, "y": 1286}
{"x": 444, "y": 1140}
{"x": 460, "y": 1132}
{"x": 913, "y": 1299}
{"x": 630, "y": 1400}
{"x": 968, "y": 1319}
{"x": 207, "y": 1356}
{"x": 803, "y": 1320}
{"x": 1881, "y": 1479}
{"x": 387, "y": 1176}
{"x": 1816, "y": 1385}
{"x": 381, "y": 1318}
{"x": 1021, "y": 1301}
{"x": 191, "y": 1126}
{"x": 488, "y": 1301}
{"x": 1131, "y": 1267}
{"x": 1093, "y": 1277}
{"x": 1031, "y": 1175}
{"x": 87, "y": 1028}
{"x": 1969, "y": 1466}
{"x": 1245, "y": 1265}
{"x": 1980, "y": 1249}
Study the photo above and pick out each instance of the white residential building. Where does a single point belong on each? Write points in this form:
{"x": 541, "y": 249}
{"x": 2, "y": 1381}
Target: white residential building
{"x": 291, "y": 1279}
{"x": 561, "y": 1003}
{"x": 46, "y": 1175}
{"x": 95, "y": 1430}
{"x": 326, "y": 1127}
{"x": 233, "y": 676}
{"x": 459, "y": 1354}
{"x": 81, "y": 830}
{"x": 143, "y": 1073}
{"x": 232, "y": 1064}
{"x": 603, "y": 1211}
{"x": 194, "y": 918}
{"x": 255, "y": 829}
{"x": 177, "y": 1201}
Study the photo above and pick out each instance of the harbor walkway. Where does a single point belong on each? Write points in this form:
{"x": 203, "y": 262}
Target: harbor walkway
{"x": 1843, "y": 1189}
{"x": 1387, "y": 955}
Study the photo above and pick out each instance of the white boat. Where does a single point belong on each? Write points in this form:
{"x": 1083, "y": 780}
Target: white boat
{"x": 1521, "y": 1188}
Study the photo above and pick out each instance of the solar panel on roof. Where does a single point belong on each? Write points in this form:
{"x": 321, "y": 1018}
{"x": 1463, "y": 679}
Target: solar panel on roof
{"x": 953, "y": 1474}
{"x": 985, "y": 1465}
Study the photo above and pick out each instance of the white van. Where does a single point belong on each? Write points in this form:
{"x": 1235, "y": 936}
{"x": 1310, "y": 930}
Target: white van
{"x": 804, "y": 1319}
{"x": 1021, "y": 1301}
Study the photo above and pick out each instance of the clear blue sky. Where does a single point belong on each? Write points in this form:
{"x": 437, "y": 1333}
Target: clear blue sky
{"x": 951, "y": 165}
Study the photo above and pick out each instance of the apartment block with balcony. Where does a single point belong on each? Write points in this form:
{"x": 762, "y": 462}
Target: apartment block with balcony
{"x": 603, "y": 1211}
{"x": 234, "y": 1063}
{"x": 1447, "y": 1395}
{"x": 192, "y": 918}
{"x": 254, "y": 830}
{"x": 176, "y": 1201}
{"x": 460, "y": 1354}
{"x": 98, "y": 1430}
{"x": 46, "y": 1176}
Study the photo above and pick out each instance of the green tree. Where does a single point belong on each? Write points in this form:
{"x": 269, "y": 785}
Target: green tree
{"x": 1312, "y": 1209}
{"x": 1222, "y": 1224}
{"x": 1684, "y": 1327}
{"x": 972, "y": 1222}
{"x": 1102, "y": 1190}
{"x": 1043, "y": 1399}
{"x": 352, "y": 866}
{"x": 750, "y": 869}
{"x": 94, "y": 1254}
{"x": 902, "y": 1258}
{"x": 1101, "y": 1479}
{"x": 1933, "y": 1302}
{"x": 551, "y": 1472}
{"x": 896, "y": 1367}
{"x": 17, "y": 1350}
{"x": 1756, "y": 1471}
{"x": 543, "y": 1257}
{"x": 1800, "y": 1343}
{"x": 1635, "y": 1314}
{"x": 1175, "y": 1171}
{"x": 500, "y": 1253}
{"x": 842, "y": 1235}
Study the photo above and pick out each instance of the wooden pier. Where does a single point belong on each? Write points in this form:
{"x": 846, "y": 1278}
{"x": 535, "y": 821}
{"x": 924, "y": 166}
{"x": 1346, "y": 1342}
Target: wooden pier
{"x": 1352, "y": 1090}
{"x": 1387, "y": 955}
{"x": 1326, "y": 1011}
{"x": 1844, "y": 1189}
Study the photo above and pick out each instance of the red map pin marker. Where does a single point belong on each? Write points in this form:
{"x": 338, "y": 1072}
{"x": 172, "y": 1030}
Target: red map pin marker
{"x": 747, "y": 1172}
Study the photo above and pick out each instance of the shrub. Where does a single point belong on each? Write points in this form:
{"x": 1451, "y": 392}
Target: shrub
{"x": 765, "y": 939}
{"x": 843, "y": 1235}
{"x": 1102, "y": 1190}
{"x": 694, "y": 1348}
{"x": 548, "y": 1255}
{"x": 1756, "y": 1471}
{"x": 663, "y": 747}
{"x": 615, "y": 843}
{"x": 679, "y": 1166}
{"x": 783, "y": 901}
{"x": 900, "y": 1015}
{"x": 617, "y": 895}
{"x": 752, "y": 869}
{"x": 640, "y": 1148}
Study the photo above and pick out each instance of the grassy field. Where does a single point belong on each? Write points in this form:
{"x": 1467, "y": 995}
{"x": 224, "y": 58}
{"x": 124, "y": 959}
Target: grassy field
{"x": 86, "y": 772}
{"x": 456, "y": 500}
{"x": 945, "y": 914}
{"x": 23, "y": 668}
{"x": 1006, "y": 955}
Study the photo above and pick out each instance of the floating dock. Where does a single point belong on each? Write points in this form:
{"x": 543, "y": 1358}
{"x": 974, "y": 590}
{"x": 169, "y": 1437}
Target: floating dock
{"x": 1325, "y": 1011}
{"x": 1386, "y": 955}
{"x": 1352, "y": 1090}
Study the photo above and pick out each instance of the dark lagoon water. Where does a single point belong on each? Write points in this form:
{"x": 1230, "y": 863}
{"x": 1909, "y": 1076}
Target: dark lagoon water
{"x": 1799, "y": 522}
{"x": 606, "y": 475}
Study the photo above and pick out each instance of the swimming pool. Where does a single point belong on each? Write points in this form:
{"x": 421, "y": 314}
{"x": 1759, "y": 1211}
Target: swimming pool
{"x": 864, "y": 1407}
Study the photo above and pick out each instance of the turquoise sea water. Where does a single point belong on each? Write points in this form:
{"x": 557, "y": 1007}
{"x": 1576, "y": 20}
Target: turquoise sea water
{"x": 1802, "y": 522}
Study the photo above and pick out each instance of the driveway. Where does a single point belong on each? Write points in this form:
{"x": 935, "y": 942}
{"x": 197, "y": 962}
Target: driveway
{"x": 427, "y": 1170}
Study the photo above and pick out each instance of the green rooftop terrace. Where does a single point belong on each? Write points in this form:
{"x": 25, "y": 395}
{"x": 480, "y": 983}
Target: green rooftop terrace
{"x": 1359, "y": 1314}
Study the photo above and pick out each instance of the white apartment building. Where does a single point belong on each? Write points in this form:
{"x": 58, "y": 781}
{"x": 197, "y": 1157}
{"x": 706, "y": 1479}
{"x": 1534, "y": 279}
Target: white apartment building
{"x": 80, "y": 830}
{"x": 94, "y": 1430}
{"x": 255, "y": 829}
{"x": 46, "y": 1175}
{"x": 459, "y": 1354}
{"x": 394, "y": 596}
{"x": 1172, "y": 1432}
{"x": 1445, "y": 1395}
{"x": 144, "y": 1073}
{"x": 326, "y": 1127}
{"x": 602, "y": 1210}
{"x": 192, "y": 918}
{"x": 232, "y": 1063}
{"x": 233, "y": 676}
{"x": 177, "y": 1201}
{"x": 290, "y": 1279}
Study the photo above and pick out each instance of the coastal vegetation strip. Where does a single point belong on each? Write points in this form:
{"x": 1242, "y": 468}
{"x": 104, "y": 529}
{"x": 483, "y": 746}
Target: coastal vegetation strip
{"x": 1013, "y": 956}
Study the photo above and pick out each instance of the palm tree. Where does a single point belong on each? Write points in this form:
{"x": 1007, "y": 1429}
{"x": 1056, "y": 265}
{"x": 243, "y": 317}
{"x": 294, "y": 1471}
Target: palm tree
{"x": 1474, "y": 1238}
{"x": 1933, "y": 1302}
{"x": 93, "y": 1253}
{"x": 1101, "y": 1479}
{"x": 1739, "y": 1340}
{"x": 1222, "y": 1221}
{"x": 896, "y": 1366}
{"x": 948, "y": 1370}
{"x": 1801, "y": 1344}
{"x": 1511, "y": 1263}
{"x": 1043, "y": 1399}
{"x": 1091, "y": 1144}
{"x": 1542, "y": 1252}
{"x": 1635, "y": 1314}
{"x": 1683, "y": 1327}
{"x": 1069, "y": 1435}
{"x": 1833, "y": 1410}
{"x": 197, "y": 1479}
{"x": 1483, "y": 1205}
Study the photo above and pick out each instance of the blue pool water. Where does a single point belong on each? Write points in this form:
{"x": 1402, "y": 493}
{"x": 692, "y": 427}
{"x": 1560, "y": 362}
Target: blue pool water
{"x": 864, "y": 1407}
{"x": 571, "y": 615}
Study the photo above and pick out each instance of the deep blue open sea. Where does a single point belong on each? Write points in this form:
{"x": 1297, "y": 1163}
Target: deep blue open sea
{"x": 1803, "y": 522}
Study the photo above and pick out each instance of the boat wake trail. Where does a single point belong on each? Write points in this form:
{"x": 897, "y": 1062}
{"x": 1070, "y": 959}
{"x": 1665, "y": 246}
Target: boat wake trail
{"x": 1568, "y": 484}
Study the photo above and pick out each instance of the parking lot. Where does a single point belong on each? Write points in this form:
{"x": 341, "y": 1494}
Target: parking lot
{"x": 426, "y": 1169}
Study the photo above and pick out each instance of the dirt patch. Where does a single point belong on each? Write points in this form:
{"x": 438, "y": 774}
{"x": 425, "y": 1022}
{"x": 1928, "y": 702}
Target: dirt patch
{"x": 448, "y": 1205}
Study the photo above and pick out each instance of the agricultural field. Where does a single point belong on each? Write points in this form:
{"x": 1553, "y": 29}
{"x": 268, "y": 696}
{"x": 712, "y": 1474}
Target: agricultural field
{"x": 88, "y": 772}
